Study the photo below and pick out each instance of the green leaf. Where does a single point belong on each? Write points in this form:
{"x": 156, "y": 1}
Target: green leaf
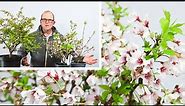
{"x": 117, "y": 10}
{"x": 122, "y": 27}
{"x": 163, "y": 44}
{"x": 169, "y": 52}
{"x": 86, "y": 86}
{"x": 19, "y": 84}
{"x": 176, "y": 30}
{"x": 114, "y": 85}
{"x": 126, "y": 72}
{"x": 15, "y": 73}
{"x": 125, "y": 13}
{"x": 24, "y": 80}
{"x": 178, "y": 25}
{"x": 27, "y": 87}
{"x": 167, "y": 14}
{"x": 102, "y": 73}
{"x": 168, "y": 36}
{"x": 117, "y": 54}
{"x": 146, "y": 43}
{"x": 105, "y": 87}
{"x": 61, "y": 84}
{"x": 124, "y": 89}
{"x": 49, "y": 90}
{"x": 148, "y": 57}
{"x": 176, "y": 101}
{"x": 155, "y": 55}
{"x": 9, "y": 98}
{"x": 6, "y": 92}
{"x": 164, "y": 24}
{"x": 117, "y": 98}
{"x": 146, "y": 49}
{"x": 104, "y": 95}
{"x": 1, "y": 21}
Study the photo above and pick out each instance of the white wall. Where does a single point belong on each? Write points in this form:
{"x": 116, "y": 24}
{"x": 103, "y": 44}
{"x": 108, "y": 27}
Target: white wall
{"x": 64, "y": 12}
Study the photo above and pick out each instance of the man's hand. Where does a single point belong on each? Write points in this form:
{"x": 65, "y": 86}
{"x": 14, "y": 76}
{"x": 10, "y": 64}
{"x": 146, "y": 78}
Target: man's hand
{"x": 89, "y": 59}
{"x": 24, "y": 61}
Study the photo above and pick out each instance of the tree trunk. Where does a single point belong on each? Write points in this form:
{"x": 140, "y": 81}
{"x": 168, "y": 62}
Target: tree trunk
{"x": 10, "y": 55}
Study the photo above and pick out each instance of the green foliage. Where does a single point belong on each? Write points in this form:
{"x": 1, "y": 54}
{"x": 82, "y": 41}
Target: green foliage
{"x": 48, "y": 90}
{"x": 102, "y": 72}
{"x": 86, "y": 86}
{"x": 169, "y": 52}
{"x": 118, "y": 12}
{"x": 168, "y": 32}
{"x": 7, "y": 96}
{"x": 63, "y": 46}
{"x": 176, "y": 101}
{"x": 117, "y": 90}
{"x": 160, "y": 46}
{"x": 15, "y": 73}
{"x": 15, "y": 30}
{"x": 117, "y": 54}
{"x": 21, "y": 81}
{"x": 105, "y": 87}
{"x": 104, "y": 96}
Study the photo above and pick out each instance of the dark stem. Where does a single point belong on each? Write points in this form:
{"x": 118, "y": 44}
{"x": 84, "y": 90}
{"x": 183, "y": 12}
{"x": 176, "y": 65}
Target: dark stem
{"x": 35, "y": 80}
{"x": 58, "y": 102}
{"x": 73, "y": 85}
{"x": 131, "y": 94}
{"x": 109, "y": 102}
{"x": 156, "y": 44}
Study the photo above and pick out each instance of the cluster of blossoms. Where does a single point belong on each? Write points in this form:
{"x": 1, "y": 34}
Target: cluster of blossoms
{"x": 132, "y": 73}
{"x": 120, "y": 55}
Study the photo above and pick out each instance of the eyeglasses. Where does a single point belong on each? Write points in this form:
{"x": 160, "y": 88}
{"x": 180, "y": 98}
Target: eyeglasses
{"x": 47, "y": 20}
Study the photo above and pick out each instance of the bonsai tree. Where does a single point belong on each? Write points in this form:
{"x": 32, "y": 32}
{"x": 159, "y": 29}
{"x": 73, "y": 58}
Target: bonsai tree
{"x": 15, "y": 30}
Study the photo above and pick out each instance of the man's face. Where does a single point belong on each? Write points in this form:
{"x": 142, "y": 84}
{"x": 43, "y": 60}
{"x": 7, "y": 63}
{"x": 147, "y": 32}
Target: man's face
{"x": 47, "y": 21}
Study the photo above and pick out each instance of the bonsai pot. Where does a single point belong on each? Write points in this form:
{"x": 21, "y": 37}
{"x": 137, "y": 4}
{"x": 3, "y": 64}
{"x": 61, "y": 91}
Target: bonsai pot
{"x": 58, "y": 64}
{"x": 82, "y": 64}
{"x": 13, "y": 61}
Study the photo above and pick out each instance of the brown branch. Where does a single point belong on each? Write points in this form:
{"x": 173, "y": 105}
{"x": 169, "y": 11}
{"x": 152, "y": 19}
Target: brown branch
{"x": 131, "y": 94}
{"x": 87, "y": 41}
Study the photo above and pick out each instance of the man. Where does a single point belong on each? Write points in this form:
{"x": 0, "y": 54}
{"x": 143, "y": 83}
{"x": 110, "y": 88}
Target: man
{"x": 40, "y": 57}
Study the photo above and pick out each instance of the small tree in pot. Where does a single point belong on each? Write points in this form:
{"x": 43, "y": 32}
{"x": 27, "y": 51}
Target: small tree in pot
{"x": 68, "y": 48}
{"x": 81, "y": 49}
{"x": 15, "y": 30}
{"x": 62, "y": 47}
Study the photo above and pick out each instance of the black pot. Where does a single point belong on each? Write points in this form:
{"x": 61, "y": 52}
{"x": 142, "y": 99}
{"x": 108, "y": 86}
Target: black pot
{"x": 13, "y": 61}
{"x": 83, "y": 64}
{"x": 61, "y": 65}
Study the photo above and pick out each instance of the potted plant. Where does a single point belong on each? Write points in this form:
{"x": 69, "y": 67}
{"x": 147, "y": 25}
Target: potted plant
{"x": 81, "y": 49}
{"x": 15, "y": 30}
{"x": 68, "y": 48}
{"x": 62, "y": 47}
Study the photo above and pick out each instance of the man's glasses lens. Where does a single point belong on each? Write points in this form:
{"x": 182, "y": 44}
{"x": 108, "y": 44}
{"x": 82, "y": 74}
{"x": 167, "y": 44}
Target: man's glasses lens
{"x": 48, "y": 20}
